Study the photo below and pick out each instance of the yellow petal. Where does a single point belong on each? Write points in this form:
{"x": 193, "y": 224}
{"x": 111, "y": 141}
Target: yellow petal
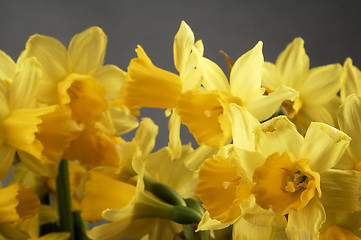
{"x": 322, "y": 84}
{"x": 192, "y": 74}
{"x": 263, "y": 106}
{"x": 283, "y": 183}
{"x": 20, "y": 128}
{"x": 124, "y": 227}
{"x": 338, "y": 233}
{"x": 4, "y": 102}
{"x": 112, "y": 79}
{"x": 207, "y": 223}
{"x": 323, "y": 146}
{"x": 351, "y": 80}
{"x": 292, "y": 64}
{"x": 247, "y": 72}
{"x": 78, "y": 92}
{"x": 221, "y": 189}
{"x": 117, "y": 121}
{"x": 8, "y": 67}
{"x": 200, "y": 111}
{"x": 315, "y": 113}
{"x": 270, "y": 81}
{"x": 87, "y": 50}
{"x": 102, "y": 192}
{"x": 183, "y": 42}
{"x": 306, "y": 223}
{"x": 247, "y": 162}
{"x": 41, "y": 132}
{"x": 277, "y": 135}
{"x": 54, "y": 135}
{"x": 243, "y": 124}
{"x": 25, "y": 85}
{"x": 243, "y": 229}
{"x": 349, "y": 118}
{"x": 7, "y": 154}
{"x": 145, "y": 136}
{"x": 76, "y": 174}
{"x": 341, "y": 190}
{"x": 174, "y": 126}
{"x": 37, "y": 166}
{"x": 149, "y": 86}
{"x": 51, "y": 54}
{"x": 195, "y": 159}
{"x": 17, "y": 203}
{"x": 213, "y": 76}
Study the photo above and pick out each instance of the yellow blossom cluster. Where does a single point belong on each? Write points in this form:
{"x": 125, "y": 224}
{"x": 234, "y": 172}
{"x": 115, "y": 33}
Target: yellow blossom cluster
{"x": 278, "y": 155}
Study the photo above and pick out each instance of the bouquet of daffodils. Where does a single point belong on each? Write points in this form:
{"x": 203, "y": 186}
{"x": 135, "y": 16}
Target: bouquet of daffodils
{"x": 275, "y": 159}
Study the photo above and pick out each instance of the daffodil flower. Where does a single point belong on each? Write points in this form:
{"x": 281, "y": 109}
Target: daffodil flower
{"x": 204, "y": 111}
{"x": 225, "y": 183}
{"x": 150, "y": 86}
{"x": 289, "y": 180}
{"x": 317, "y": 87}
{"x": 76, "y": 78}
{"x": 38, "y": 134}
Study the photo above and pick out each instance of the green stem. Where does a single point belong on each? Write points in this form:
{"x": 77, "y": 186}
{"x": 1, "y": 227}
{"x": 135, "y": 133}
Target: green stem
{"x": 204, "y": 235}
{"x": 66, "y": 220}
{"x": 162, "y": 191}
{"x": 189, "y": 232}
{"x": 80, "y": 227}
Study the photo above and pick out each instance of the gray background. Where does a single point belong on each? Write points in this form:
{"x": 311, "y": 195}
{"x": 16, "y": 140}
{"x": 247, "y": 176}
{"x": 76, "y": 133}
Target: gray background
{"x": 331, "y": 29}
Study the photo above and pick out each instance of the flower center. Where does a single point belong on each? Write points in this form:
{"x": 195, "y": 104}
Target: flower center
{"x": 292, "y": 107}
{"x": 295, "y": 181}
{"x": 79, "y": 92}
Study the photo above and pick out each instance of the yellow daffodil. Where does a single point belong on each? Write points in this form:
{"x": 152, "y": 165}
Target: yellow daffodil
{"x": 317, "y": 87}
{"x": 75, "y": 78}
{"x": 39, "y": 135}
{"x": 17, "y": 202}
{"x": 150, "y": 86}
{"x": 141, "y": 145}
{"x": 225, "y": 183}
{"x": 289, "y": 180}
{"x": 204, "y": 111}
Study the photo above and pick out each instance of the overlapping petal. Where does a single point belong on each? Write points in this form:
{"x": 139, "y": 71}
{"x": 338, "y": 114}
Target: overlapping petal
{"x": 293, "y": 64}
{"x": 8, "y": 67}
{"x": 277, "y": 135}
{"x": 246, "y": 72}
{"x": 45, "y": 48}
{"x": 322, "y": 84}
{"x": 183, "y": 43}
{"x": 351, "y": 80}
{"x": 323, "y": 146}
{"x": 349, "y": 118}
{"x": 87, "y": 50}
